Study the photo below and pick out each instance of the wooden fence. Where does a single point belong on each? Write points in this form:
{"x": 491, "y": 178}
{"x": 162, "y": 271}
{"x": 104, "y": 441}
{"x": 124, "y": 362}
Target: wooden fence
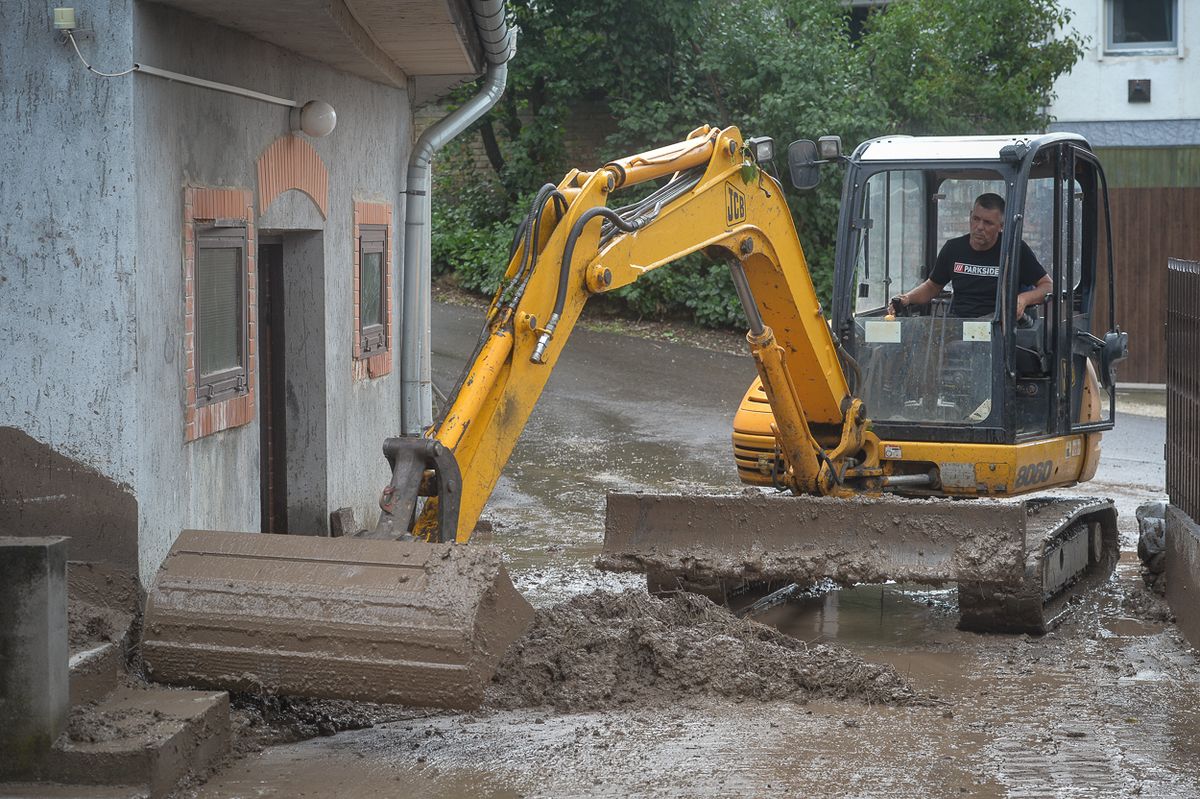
{"x": 1149, "y": 227}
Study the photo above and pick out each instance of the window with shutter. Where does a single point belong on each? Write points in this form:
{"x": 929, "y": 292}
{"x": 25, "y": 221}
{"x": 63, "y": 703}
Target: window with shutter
{"x": 372, "y": 288}
{"x": 220, "y": 313}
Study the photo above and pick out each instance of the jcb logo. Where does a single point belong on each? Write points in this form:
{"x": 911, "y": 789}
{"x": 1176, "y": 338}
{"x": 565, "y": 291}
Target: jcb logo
{"x": 735, "y": 205}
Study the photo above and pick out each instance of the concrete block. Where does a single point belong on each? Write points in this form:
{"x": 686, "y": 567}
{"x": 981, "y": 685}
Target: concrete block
{"x": 102, "y": 605}
{"x": 401, "y": 622}
{"x": 34, "y": 682}
{"x": 146, "y": 737}
{"x": 96, "y": 671}
{"x": 1183, "y": 572}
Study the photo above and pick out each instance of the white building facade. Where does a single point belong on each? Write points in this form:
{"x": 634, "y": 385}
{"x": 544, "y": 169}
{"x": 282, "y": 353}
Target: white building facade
{"x": 1135, "y": 95}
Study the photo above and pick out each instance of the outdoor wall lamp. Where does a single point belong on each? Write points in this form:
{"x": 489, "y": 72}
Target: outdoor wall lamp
{"x": 315, "y": 118}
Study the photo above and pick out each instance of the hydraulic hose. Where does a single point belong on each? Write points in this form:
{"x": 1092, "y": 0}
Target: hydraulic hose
{"x": 564, "y": 275}
{"x": 532, "y": 236}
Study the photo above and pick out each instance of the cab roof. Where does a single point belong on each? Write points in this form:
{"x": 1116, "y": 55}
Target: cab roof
{"x": 953, "y": 148}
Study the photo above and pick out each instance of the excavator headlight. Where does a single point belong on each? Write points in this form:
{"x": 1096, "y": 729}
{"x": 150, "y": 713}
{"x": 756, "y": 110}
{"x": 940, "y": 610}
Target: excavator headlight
{"x": 762, "y": 148}
{"x": 829, "y": 147}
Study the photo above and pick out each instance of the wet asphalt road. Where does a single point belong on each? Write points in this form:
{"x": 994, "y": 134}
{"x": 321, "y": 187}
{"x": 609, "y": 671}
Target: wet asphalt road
{"x": 1107, "y": 705}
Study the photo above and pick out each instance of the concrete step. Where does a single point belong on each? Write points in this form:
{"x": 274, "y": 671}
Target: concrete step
{"x": 146, "y": 737}
{"x": 102, "y": 606}
{"x": 98, "y": 656}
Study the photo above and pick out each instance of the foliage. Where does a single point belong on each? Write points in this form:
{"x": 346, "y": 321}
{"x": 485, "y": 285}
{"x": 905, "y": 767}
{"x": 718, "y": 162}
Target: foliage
{"x": 969, "y": 66}
{"x": 782, "y": 68}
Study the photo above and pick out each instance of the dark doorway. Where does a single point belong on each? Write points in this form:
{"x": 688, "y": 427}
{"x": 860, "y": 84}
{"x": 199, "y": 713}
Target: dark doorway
{"x": 272, "y": 408}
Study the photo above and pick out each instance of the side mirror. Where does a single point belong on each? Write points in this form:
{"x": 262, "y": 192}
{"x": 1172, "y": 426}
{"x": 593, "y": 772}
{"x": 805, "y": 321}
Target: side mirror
{"x": 1116, "y": 348}
{"x": 804, "y": 164}
{"x": 1112, "y": 348}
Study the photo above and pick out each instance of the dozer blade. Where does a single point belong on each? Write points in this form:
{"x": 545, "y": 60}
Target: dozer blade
{"x": 381, "y": 621}
{"x": 1014, "y": 561}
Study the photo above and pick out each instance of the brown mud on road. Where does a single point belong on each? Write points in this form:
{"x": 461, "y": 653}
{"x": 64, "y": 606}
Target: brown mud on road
{"x": 607, "y": 650}
{"x": 1107, "y": 705}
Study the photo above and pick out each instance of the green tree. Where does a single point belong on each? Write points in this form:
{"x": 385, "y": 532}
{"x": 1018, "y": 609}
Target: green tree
{"x": 782, "y": 68}
{"x": 969, "y": 66}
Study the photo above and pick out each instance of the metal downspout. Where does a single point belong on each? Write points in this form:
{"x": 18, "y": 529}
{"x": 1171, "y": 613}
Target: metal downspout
{"x": 416, "y": 387}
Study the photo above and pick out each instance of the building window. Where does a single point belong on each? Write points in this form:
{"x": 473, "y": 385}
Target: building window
{"x": 372, "y": 271}
{"x": 373, "y": 240}
{"x": 220, "y": 313}
{"x": 1136, "y": 26}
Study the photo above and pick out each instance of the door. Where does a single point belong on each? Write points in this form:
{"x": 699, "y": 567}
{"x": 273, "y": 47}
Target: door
{"x": 272, "y": 408}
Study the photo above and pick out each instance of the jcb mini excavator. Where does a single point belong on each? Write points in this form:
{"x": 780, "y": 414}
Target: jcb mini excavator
{"x": 875, "y": 429}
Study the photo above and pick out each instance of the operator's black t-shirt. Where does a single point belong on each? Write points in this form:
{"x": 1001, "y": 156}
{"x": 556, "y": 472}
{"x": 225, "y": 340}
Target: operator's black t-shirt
{"x": 974, "y": 273}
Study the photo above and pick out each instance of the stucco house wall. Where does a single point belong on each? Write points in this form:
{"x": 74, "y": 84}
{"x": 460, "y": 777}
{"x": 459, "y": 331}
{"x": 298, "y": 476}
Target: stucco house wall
{"x": 68, "y": 255}
{"x": 1097, "y": 88}
{"x": 186, "y": 135}
{"x": 95, "y": 175}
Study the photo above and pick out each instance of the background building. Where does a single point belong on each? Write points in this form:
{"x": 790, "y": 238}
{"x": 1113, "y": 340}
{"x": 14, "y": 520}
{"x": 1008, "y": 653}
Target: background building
{"x": 1134, "y": 95}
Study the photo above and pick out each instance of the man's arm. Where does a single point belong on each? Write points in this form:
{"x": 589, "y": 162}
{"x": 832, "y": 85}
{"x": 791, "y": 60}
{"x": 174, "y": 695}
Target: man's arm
{"x": 1035, "y": 296}
{"x": 918, "y": 296}
{"x": 1032, "y": 272}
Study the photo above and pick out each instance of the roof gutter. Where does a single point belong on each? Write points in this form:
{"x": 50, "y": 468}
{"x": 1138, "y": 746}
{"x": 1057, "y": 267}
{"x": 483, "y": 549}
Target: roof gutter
{"x": 416, "y": 387}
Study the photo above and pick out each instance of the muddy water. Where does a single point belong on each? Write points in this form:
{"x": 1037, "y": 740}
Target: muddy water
{"x": 1107, "y": 705}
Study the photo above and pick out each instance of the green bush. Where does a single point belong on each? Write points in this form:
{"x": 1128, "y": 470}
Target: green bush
{"x": 693, "y": 285}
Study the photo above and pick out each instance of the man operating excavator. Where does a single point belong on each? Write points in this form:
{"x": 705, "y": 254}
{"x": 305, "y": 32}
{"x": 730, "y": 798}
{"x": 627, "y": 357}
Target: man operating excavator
{"x": 972, "y": 263}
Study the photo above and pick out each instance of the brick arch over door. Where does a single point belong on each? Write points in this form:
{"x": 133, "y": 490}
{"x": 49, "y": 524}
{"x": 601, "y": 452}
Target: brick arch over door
{"x": 292, "y": 163}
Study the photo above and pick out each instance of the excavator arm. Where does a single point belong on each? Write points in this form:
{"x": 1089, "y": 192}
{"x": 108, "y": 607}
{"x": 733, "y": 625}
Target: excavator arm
{"x": 574, "y": 245}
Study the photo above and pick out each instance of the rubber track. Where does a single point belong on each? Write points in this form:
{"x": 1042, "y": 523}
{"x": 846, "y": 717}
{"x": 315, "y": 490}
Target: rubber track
{"x": 1022, "y": 608}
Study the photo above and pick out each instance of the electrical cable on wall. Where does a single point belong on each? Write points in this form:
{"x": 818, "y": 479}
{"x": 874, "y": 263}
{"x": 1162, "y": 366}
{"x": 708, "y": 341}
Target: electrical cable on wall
{"x": 93, "y": 70}
{"x": 314, "y": 118}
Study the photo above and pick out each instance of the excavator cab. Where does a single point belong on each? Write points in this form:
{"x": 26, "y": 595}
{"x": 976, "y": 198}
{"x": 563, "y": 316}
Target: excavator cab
{"x": 991, "y": 379}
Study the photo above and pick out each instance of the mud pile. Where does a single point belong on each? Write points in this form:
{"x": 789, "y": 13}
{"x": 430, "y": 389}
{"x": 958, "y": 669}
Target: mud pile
{"x": 604, "y": 650}
{"x": 91, "y": 625}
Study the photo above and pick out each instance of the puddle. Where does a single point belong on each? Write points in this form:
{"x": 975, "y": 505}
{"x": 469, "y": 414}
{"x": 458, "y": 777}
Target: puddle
{"x": 870, "y": 615}
{"x": 1124, "y": 627}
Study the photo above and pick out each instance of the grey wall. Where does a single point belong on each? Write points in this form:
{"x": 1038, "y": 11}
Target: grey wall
{"x": 92, "y": 173}
{"x": 68, "y": 246}
{"x": 307, "y": 383}
{"x": 188, "y": 135}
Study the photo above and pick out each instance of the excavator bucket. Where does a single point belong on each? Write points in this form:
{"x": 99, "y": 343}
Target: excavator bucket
{"x": 1015, "y": 562}
{"x": 376, "y": 620}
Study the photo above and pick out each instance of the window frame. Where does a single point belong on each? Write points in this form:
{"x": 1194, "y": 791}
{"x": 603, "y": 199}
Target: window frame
{"x": 1112, "y": 47}
{"x": 373, "y": 339}
{"x": 234, "y": 382}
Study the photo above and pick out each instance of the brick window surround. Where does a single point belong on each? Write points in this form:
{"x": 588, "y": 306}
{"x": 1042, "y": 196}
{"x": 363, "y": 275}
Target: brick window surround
{"x": 200, "y": 206}
{"x": 378, "y": 364}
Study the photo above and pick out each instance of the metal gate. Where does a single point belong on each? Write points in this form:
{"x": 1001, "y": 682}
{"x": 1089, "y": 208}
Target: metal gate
{"x": 1183, "y": 385}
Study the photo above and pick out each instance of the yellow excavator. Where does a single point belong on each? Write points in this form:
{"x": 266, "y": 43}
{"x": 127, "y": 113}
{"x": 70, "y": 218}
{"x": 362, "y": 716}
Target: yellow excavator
{"x": 873, "y": 428}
